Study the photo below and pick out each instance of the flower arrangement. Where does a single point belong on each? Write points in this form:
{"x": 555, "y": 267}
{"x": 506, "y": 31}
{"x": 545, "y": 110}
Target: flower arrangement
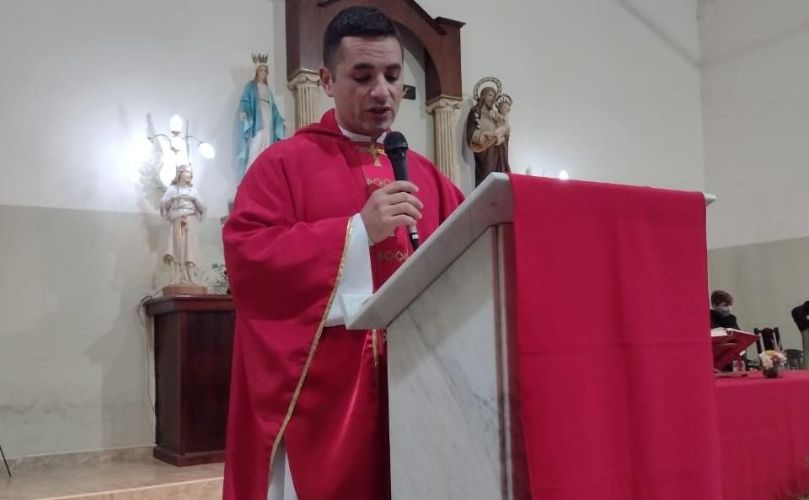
{"x": 771, "y": 361}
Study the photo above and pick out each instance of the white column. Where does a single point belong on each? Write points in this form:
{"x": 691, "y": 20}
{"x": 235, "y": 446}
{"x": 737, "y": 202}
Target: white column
{"x": 443, "y": 109}
{"x": 305, "y": 86}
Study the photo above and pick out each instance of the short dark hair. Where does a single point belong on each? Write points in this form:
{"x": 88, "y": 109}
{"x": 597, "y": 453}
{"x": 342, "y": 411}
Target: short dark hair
{"x": 356, "y": 21}
{"x": 721, "y": 297}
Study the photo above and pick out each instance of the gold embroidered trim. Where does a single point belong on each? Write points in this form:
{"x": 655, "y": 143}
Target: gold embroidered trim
{"x": 390, "y": 255}
{"x": 378, "y": 182}
{"x": 312, "y": 349}
{"x": 375, "y": 151}
{"x": 375, "y": 346}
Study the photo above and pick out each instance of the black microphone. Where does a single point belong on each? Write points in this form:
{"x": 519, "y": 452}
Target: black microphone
{"x": 396, "y": 151}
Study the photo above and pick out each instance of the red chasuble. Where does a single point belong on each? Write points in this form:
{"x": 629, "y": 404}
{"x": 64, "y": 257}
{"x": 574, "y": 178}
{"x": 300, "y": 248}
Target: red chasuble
{"x": 323, "y": 391}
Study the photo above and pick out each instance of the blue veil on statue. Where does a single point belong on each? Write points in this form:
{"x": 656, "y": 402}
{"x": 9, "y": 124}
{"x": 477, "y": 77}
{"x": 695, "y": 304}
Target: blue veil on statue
{"x": 260, "y": 122}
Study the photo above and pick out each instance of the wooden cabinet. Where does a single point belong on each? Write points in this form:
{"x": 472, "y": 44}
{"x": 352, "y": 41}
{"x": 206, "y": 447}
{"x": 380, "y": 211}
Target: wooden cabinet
{"x": 193, "y": 343}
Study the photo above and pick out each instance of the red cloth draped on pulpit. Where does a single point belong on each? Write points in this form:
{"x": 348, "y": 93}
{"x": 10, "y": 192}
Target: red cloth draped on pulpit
{"x": 614, "y": 357}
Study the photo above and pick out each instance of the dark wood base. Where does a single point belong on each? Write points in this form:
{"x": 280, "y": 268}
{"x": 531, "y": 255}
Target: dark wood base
{"x": 202, "y": 457}
{"x": 193, "y": 341}
{"x": 179, "y": 290}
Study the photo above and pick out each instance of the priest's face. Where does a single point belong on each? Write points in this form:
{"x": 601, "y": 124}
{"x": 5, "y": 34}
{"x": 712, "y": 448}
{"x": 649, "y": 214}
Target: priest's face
{"x": 366, "y": 84}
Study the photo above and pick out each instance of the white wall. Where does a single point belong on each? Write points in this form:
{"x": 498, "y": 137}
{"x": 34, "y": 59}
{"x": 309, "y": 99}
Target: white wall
{"x": 756, "y": 95}
{"x": 607, "y": 89}
{"x": 755, "y": 81}
{"x": 79, "y": 78}
{"x": 80, "y": 246}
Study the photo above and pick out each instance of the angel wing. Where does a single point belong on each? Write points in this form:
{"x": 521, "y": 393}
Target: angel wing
{"x": 151, "y": 185}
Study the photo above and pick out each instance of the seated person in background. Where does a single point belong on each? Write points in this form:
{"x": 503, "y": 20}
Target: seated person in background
{"x": 721, "y": 317}
{"x": 800, "y": 314}
{"x": 721, "y": 307}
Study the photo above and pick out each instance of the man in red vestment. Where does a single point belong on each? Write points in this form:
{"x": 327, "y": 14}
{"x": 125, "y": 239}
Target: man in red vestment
{"x": 300, "y": 380}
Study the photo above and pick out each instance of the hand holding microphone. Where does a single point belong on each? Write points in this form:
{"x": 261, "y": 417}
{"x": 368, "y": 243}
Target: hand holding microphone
{"x": 393, "y": 205}
{"x": 389, "y": 207}
{"x": 396, "y": 151}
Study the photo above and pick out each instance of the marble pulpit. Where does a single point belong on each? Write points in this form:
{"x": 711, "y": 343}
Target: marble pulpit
{"x": 447, "y": 316}
{"x": 454, "y": 431}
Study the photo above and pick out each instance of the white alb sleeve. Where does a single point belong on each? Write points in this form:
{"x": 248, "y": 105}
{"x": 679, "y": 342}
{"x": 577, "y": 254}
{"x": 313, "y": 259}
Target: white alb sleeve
{"x": 357, "y": 282}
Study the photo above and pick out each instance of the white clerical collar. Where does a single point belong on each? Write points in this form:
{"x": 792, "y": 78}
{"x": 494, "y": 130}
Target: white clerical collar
{"x": 361, "y": 138}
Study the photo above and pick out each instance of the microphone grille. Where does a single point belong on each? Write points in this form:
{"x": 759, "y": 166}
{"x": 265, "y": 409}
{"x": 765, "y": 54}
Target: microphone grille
{"x": 395, "y": 141}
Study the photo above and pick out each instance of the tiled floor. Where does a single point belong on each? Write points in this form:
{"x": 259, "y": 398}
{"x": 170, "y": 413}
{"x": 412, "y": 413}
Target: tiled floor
{"x": 117, "y": 475}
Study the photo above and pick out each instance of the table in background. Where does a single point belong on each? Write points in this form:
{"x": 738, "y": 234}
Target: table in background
{"x": 764, "y": 435}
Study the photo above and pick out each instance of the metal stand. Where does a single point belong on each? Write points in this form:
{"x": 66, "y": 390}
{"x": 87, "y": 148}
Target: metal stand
{"x": 5, "y": 461}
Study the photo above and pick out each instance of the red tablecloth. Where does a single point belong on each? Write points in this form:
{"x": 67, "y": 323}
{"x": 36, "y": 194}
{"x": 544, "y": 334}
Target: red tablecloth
{"x": 764, "y": 436}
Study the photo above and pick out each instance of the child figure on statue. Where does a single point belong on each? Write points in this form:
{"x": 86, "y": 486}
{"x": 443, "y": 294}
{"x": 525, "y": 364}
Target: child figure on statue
{"x": 500, "y": 116}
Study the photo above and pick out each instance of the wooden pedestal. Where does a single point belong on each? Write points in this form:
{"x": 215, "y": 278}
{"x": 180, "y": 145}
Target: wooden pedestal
{"x": 193, "y": 342}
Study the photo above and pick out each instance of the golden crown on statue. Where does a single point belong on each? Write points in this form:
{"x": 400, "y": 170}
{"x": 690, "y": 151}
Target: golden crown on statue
{"x": 260, "y": 58}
